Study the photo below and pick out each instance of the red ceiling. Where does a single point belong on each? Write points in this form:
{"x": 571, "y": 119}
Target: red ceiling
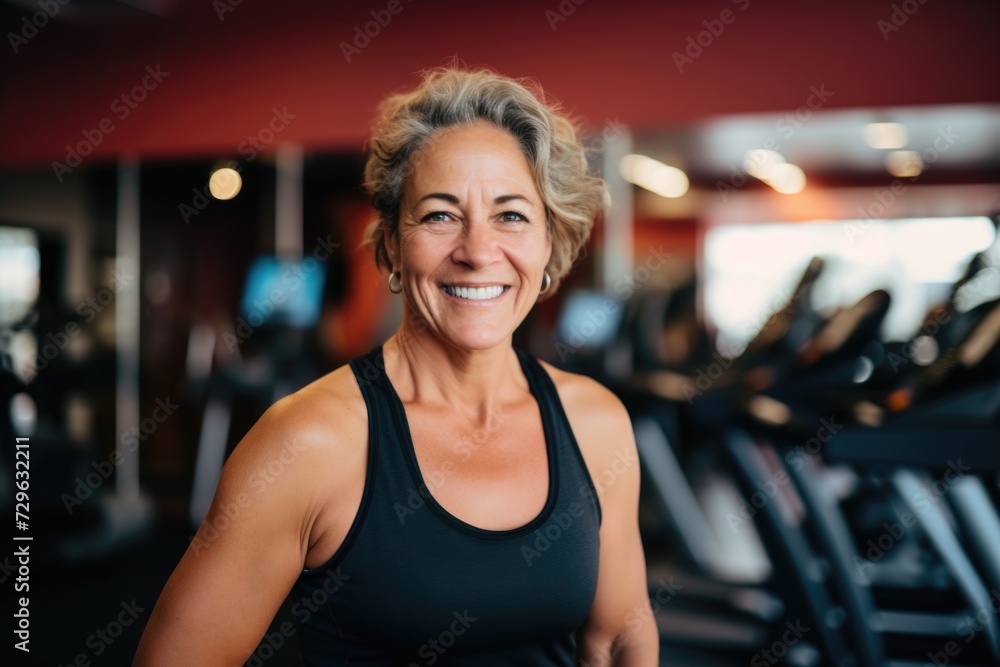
{"x": 607, "y": 60}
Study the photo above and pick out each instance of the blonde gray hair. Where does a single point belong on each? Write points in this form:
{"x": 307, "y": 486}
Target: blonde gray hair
{"x": 449, "y": 96}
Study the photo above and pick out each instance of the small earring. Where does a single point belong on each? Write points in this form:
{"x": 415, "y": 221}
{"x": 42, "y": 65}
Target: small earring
{"x": 398, "y": 283}
{"x": 546, "y": 283}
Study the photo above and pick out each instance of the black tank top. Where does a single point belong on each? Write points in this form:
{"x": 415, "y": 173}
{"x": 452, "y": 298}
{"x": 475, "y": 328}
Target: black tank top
{"x": 413, "y": 585}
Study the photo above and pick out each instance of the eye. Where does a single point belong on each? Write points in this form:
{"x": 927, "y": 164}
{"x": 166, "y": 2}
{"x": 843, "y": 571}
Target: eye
{"x": 513, "y": 216}
{"x": 436, "y": 216}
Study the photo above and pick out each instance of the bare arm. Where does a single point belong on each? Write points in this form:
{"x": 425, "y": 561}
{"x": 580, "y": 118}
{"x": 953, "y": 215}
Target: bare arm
{"x": 620, "y": 630}
{"x": 248, "y": 552}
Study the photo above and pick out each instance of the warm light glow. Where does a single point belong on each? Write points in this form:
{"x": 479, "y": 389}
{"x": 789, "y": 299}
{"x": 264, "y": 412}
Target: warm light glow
{"x": 770, "y": 167}
{"x": 787, "y": 179}
{"x": 760, "y": 161}
{"x": 225, "y": 183}
{"x": 885, "y": 135}
{"x": 904, "y": 164}
{"x": 654, "y": 176}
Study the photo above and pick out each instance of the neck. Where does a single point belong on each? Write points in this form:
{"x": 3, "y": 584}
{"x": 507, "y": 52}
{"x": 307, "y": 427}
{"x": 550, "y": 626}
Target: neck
{"x": 427, "y": 370}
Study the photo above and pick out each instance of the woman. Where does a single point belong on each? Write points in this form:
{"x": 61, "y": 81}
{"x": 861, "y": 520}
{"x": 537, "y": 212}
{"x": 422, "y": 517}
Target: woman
{"x": 444, "y": 499}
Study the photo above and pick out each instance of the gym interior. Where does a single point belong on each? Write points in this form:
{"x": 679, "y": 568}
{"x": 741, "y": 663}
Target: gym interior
{"x": 796, "y": 294}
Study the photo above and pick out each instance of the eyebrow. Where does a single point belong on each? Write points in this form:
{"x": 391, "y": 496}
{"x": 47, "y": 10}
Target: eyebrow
{"x": 452, "y": 199}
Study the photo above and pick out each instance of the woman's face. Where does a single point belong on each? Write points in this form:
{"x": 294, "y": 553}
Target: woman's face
{"x": 472, "y": 245}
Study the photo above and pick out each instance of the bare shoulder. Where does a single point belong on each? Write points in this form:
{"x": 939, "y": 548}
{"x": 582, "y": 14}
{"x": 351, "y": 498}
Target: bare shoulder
{"x": 595, "y": 405}
{"x": 330, "y": 406}
{"x": 599, "y": 419}
{"x": 263, "y": 525}
{"x": 308, "y": 440}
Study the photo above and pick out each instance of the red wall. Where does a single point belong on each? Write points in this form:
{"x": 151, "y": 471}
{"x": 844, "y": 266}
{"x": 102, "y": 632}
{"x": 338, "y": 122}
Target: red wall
{"x": 606, "y": 60}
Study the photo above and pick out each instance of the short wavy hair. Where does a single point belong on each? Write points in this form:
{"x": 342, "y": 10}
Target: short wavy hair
{"x": 450, "y": 96}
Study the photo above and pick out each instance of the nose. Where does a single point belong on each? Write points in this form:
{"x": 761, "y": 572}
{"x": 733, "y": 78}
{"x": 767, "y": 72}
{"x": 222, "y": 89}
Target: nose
{"x": 477, "y": 246}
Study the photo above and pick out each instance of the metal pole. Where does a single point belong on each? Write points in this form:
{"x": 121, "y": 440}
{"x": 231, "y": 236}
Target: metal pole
{"x": 127, "y": 326}
{"x": 288, "y": 203}
{"x": 618, "y": 225}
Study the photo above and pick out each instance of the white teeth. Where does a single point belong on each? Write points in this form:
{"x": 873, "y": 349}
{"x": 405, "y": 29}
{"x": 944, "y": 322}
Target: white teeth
{"x": 475, "y": 293}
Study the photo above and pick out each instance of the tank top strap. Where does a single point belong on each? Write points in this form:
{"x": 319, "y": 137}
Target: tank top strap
{"x": 384, "y": 436}
{"x": 528, "y": 589}
{"x": 574, "y": 475}
{"x": 388, "y": 439}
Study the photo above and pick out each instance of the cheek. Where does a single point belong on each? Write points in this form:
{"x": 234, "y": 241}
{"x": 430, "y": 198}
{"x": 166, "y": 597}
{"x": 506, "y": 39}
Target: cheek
{"x": 536, "y": 247}
{"x": 420, "y": 248}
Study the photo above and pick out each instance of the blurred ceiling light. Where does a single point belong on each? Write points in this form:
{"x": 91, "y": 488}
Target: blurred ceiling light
{"x": 654, "y": 176}
{"x": 904, "y": 164}
{"x": 785, "y": 178}
{"x": 885, "y": 135}
{"x": 225, "y": 183}
{"x": 759, "y": 162}
{"x": 770, "y": 167}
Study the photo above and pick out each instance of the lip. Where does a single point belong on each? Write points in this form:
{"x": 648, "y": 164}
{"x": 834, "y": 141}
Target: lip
{"x": 474, "y": 284}
{"x": 471, "y": 302}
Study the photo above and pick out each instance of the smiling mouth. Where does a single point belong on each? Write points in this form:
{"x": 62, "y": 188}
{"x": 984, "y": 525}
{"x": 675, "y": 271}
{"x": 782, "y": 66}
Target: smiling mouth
{"x": 475, "y": 293}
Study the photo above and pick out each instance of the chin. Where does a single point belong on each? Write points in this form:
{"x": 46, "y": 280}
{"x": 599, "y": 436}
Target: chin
{"x": 478, "y": 337}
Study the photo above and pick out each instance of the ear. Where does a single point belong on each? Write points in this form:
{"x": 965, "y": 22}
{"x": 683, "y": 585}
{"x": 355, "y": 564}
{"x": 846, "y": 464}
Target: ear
{"x": 391, "y": 242}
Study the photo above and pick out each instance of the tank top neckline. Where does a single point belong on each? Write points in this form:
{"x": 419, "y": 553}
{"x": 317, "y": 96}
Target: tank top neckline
{"x": 409, "y": 453}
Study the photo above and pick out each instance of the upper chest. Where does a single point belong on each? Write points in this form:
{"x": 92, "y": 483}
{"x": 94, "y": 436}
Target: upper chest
{"x": 494, "y": 475}
{"x": 504, "y": 436}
